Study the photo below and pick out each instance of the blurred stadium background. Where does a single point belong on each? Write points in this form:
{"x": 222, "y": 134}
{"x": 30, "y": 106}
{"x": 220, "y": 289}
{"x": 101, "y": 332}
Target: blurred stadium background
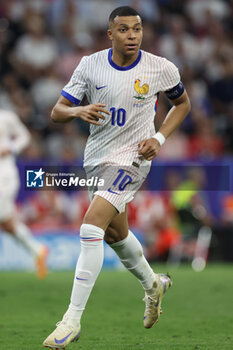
{"x": 41, "y": 43}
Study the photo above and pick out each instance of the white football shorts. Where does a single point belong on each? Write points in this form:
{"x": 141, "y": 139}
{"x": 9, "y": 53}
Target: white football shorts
{"x": 120, "y": 182}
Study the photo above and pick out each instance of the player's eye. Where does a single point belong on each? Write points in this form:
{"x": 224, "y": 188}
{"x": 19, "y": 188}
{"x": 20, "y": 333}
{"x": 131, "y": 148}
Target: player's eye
{"x": 123, "y": 30}
{"x": 137, "y": 29}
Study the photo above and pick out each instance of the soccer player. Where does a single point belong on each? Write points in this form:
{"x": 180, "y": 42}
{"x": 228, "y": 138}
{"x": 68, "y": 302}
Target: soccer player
{"x": 14, "y": 137}
{"x": 122, "y": 86}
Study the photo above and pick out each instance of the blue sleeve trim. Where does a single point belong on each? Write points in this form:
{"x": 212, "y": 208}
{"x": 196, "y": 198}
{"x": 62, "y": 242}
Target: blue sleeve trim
{"x": 175, "y": 92}
{"x": 70, "y": 98}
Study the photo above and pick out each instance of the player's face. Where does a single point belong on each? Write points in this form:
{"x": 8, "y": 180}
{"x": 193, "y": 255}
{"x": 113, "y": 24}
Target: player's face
{"x": 126, "y": 34}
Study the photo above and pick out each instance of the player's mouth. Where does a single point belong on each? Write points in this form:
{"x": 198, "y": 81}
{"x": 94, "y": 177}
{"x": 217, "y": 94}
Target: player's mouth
{"x": 131, "y": 46}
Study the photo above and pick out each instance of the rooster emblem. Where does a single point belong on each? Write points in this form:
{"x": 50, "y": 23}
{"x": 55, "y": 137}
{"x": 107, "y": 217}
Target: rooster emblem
{"x": 141, "y": 90}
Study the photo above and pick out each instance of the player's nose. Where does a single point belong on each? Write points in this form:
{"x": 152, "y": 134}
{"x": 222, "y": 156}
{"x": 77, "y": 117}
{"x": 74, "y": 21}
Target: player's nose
{"x": 131, "y": 34}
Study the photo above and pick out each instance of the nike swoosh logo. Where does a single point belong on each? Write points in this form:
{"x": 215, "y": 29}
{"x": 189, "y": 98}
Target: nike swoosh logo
{"x": 100, "y": 87}
{"x": 81, "y": 279}
{"x": 62, "y": 340}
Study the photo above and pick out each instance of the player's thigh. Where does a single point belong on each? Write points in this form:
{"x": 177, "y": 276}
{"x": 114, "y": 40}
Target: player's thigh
{"x": 100, "y": 213}
{"x": 117, "y": 229}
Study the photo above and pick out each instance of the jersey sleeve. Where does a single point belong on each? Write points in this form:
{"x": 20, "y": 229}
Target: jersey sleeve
{"x": 76, "y": 88}
{"x": 170, "y": 76}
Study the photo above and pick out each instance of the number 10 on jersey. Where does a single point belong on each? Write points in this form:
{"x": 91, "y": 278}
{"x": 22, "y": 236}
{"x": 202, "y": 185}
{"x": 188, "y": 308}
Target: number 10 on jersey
{"x": 118, "y": 116}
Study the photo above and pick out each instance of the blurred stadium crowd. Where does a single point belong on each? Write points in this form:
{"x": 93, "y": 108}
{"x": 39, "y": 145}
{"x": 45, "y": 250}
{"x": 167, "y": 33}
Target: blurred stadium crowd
{"x": 41, "y": 43}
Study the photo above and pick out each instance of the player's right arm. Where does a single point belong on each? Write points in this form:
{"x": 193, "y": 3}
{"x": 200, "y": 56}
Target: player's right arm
{"x": 72, "y": 94}
{"x": 64, "y": 112}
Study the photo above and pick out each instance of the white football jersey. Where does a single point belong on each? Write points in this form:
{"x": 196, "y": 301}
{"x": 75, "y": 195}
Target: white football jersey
{"x": 130, "y": 94}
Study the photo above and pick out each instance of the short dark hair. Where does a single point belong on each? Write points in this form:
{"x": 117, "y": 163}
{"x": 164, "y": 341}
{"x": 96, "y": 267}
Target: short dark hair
{"x": 123, "y": 11}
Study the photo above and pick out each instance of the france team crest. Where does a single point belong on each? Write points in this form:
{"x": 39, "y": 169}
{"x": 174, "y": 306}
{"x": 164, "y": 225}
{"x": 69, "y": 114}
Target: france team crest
{"x": 142, "y": 90}
{"x": 35, "y": 178}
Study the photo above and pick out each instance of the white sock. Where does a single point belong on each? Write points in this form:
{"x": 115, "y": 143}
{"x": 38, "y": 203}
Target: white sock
{"x": 25, "y": 237}
{"x": 131, "y": 255}
{"x": 88, "y": 268}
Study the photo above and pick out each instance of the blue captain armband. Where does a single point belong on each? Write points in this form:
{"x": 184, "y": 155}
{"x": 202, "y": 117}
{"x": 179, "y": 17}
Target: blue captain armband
{"x": 175, "y": 92}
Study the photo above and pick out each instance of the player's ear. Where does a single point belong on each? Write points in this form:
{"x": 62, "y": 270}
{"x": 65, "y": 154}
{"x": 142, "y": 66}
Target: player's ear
{"x": 109, "y": 32}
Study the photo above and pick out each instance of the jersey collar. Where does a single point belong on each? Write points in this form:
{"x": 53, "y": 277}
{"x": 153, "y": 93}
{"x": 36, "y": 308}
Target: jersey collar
{"x": 114, "y": 65}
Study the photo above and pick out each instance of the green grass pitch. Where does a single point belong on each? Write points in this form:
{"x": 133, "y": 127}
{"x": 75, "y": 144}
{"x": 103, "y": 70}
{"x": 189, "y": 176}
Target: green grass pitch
{"x": 198, "y": 311}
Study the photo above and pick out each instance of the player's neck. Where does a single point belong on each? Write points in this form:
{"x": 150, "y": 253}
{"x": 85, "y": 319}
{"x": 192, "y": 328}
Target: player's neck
{"x": 123, "y": 61}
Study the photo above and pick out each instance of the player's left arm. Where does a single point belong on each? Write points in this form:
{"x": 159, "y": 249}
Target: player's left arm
{"x": 181, "y": 107}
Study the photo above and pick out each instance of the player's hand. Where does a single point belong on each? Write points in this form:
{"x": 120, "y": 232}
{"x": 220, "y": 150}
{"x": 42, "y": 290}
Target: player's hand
{"x": 149, "y": 149}
{"x": 91, "y": 113}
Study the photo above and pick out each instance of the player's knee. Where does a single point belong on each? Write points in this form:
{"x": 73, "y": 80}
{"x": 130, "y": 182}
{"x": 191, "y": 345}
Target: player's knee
{"x": 93, "y": 217}
{"x": 96, "y": 218}
{"x": 89, "y": 218}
